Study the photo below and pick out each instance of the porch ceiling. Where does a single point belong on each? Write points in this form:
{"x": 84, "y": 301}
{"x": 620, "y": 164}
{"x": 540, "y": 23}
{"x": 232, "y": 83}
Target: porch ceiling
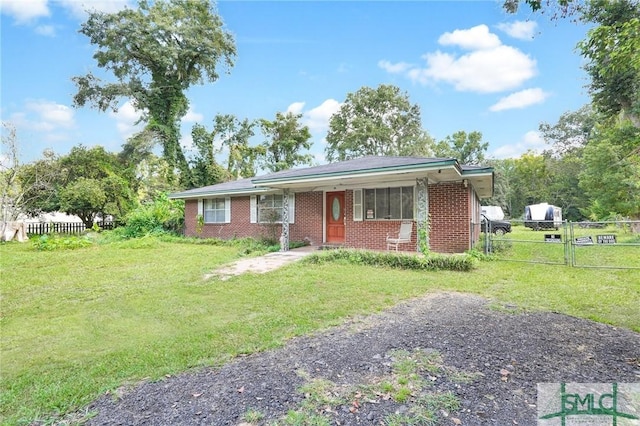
{"x": 482, "y": 183}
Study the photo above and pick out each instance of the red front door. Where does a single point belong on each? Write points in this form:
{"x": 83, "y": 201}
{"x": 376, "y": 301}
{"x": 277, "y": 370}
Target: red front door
{"x": 335, "y": 217}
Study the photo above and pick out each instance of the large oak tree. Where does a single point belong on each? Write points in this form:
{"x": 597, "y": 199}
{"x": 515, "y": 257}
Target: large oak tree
{"x": 156, "y": 52}
{"x": 379, "y": 121}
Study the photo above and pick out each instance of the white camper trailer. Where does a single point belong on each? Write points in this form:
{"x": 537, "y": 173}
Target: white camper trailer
{"x": 542, "y": 216}
{"x": 492, "y": 212}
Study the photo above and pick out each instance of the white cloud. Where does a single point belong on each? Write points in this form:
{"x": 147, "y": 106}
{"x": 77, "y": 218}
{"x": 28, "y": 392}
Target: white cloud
{"x": 476, "y": 38}
{"x": 126, "y": 118}
{"x": 483, "y": 71}
{"x": 46, "y": 120}
{"x": 46, "y": 30}
{"x": 531, "y": 141}
{"x": 398, "y": 68}
{"x": 28, "y": 11}
{"x": 192, "y": 117}
{"x": 318, "y": 118}
{"x": 295, "y": 108}
{"x": 49, "y": 116}
{"x": 521, "y": 99}
{"x": 489, "y": 67}
{"x": 523, "y": 30}
{"x": 78, "y": 8}
{"x": 24, "y": 11}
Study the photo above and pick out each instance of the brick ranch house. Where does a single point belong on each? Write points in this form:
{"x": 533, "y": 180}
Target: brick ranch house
{"x": 353, "y": 203}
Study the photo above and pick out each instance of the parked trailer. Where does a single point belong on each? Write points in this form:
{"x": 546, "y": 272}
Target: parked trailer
{"x": 492, "y": 212}
{"x": 542, "y": 216}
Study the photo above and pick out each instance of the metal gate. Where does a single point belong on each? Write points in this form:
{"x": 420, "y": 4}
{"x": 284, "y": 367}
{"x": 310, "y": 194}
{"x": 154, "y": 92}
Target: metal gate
{"x": 611, "y": 244}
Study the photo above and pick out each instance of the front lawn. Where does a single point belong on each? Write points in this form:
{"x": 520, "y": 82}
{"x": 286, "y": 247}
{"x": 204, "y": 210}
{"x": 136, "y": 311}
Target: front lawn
{"x": 76, "y": 323}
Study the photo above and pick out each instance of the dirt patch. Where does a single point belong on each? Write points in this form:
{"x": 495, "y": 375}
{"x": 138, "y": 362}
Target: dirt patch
{"x": 448, "y": 344}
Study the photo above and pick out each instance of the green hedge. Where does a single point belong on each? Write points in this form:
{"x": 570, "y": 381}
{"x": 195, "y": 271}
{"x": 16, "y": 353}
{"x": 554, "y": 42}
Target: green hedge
{"x": 432, "y": 262}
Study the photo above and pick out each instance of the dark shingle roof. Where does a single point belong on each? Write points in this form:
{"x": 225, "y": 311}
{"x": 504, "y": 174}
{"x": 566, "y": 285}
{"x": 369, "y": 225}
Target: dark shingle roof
{"x": 351, "y": 166}
{"x": 240, "y": 185}
{"x": 355, "y": 166}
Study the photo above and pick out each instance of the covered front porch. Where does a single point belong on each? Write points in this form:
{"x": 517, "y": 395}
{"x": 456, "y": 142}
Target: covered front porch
{"x": 351, "y": 201}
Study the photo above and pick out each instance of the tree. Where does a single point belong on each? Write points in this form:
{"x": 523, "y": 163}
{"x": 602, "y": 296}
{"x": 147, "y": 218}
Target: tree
{"x": 205, "y": 169}
{"x": 85, "y": 170}
{"x": 504, "y": 178}
{"x": 25, "y": 188}
{"x": 530, "y": 183}
{"x": 571, "y": 133}
{"x": 85, "y": 198}
{"x": 86, "y": 182}
{"x": 285, "y": 139}
{"x": 151, "y": 179}
{"x": 378, "y": 121}
{"x": 156, "y": 53}
{"x": 564, "y": 190}
{"x": 233, "y": 136}
{"x": 557, "y": 8}
{"x": 564, "y": 161}
{"x": 467, "y": 148}
{"x": 612, "y": 51}
{"x": 145, "y": 172}
{"x": 22, "y": 185}
{"x": 11, "y": 194}
{"x": 611, "y": 172}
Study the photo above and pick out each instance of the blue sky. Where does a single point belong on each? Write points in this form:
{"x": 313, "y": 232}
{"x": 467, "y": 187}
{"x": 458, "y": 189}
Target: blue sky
{"x": 468, "y": 65}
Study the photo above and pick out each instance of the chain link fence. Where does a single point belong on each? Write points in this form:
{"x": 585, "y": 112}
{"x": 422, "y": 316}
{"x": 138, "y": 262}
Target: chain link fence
{"x": 610, "y": 244}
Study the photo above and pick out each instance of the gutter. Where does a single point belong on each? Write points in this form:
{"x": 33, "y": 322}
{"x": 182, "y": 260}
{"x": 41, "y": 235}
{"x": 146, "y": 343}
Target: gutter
{"x": 192, "y": 195}
{"x": 364, "y": 172}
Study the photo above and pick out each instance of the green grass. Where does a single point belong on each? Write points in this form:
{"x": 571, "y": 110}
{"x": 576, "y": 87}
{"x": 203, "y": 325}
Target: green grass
{"x": 76, "y": 323}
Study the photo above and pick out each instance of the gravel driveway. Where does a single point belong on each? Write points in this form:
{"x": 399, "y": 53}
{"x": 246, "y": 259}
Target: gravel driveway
{"x": 490, "y": 359}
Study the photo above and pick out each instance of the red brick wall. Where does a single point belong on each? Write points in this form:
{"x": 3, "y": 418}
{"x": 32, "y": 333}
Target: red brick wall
{"x": 449, "y": 208}
{"x": 372, "y": 234}
{"x": 308, "y": 218}
{"x": 239, "y": 227}
{"x": 308, "y": 221}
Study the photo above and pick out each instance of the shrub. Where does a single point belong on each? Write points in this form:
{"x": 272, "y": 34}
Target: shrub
{"x": 55, "y": 242}
{"x": 161, "y": 216}
{"x": 433, "y": 262}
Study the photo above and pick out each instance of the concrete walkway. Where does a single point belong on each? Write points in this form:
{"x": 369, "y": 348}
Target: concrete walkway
{"x": 261, "y": 264}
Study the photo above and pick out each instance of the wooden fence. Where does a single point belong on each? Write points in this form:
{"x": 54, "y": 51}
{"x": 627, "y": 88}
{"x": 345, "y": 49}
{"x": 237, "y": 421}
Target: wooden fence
{"x": 64, "y": 227}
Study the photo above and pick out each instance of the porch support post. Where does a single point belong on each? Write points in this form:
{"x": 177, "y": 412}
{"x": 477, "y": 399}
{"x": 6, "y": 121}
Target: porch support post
{"x": 422, "y": 214}
{"x": 284, "y": 238}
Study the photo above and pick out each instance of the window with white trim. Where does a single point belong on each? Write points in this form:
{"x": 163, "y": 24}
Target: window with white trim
{"x": 388, "y": 203}
{"x": 357, "y": 205}
{"x": 270, "y": 208}
{"x": 214, "y": 210}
